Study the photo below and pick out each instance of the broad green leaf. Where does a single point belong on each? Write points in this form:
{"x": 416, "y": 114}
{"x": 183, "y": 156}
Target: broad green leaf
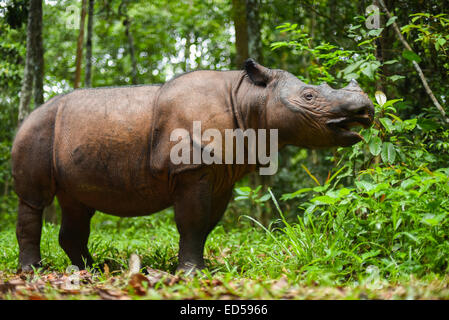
{"x": 388, "y": 153}
{"x": 288, "y": 196}
{"x": 368, "y": 68}
{"x": 264, "y": 198}
{"x": 391, "y": 20}
{"x": 396, "y": 77}
{"x": 365, "y": 185}
{"x": 411, "y": 56}
{"x": 375, "y": 32}
{"x": 388, "y": 124}
{"x": 391, "y": 61}
{"x": 410, "y": 124}
{"x": 243, "y": 191}
{"x": 323, "y": 200}
{"x": 407, "y": 184}
{"x": 375, "y": 146}
{"x": 349, "y": 69}
{"x": 431, "y": 219}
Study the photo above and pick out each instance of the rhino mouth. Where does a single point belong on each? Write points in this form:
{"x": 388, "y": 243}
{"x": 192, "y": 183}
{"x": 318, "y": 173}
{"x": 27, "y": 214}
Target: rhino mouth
{"x": 346, "y": 125}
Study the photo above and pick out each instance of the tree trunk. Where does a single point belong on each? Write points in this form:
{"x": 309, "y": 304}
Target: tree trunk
{"x": 187, "y": 62}
{"x": 38, "y": 56}
{"x": 90, "y": 23}
{"x": 132, "y": 53}
{"x": 379, "y": 43}
{"x": 28, "y": 74}
{"x": 79, "y": 46}
{"x": 123, "y": 11}
{"x": 241, "y": 31}
{"x": 254, "y": 36}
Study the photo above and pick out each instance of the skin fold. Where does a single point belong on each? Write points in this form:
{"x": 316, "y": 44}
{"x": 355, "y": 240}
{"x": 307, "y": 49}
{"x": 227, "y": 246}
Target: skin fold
{"x": 108, "y": 149}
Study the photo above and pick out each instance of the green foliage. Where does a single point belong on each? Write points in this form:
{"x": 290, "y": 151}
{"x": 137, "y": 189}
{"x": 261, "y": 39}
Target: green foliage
{"x": 430, "y": 30}
{"x": 394, "y": 217}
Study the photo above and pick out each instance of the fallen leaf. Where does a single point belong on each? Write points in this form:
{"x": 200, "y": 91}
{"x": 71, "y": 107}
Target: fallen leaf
{"x": 155, "y": 276}
{"x": 108, "y": 294}
{"x": 281, "y": 284}
{"x": 36, "y": 297}
{"x": 106, "y": 270}
{"x": 137, "y": 282}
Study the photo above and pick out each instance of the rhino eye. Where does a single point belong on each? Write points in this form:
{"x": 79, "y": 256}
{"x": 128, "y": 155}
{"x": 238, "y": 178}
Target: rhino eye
{"x": 308, "y": 96}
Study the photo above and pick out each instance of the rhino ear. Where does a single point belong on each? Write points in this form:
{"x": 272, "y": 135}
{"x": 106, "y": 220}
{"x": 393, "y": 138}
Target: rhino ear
{"x": 257, "y": 73}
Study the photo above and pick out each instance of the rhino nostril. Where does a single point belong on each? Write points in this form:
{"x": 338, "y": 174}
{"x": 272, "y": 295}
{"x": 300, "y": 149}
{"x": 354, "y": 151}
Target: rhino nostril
{"x": 363, "y": 111}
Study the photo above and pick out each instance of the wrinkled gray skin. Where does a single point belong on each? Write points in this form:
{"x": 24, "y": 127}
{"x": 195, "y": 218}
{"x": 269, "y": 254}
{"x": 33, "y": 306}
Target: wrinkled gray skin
{"x": 108, "y": 149}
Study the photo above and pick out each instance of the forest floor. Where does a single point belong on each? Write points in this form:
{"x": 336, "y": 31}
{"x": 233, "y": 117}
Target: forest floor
{"x": 242, "y": 264}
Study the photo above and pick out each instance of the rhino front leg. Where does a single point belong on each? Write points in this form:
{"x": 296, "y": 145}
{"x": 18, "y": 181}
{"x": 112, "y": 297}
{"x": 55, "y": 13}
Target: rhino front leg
{"x": 28, "y": 232}
{"x": 197, "y": 211}
{"x": 75, "y": 230}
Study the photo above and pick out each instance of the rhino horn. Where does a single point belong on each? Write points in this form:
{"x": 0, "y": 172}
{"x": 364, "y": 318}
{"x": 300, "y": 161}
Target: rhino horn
{"x": 353, "y": 85}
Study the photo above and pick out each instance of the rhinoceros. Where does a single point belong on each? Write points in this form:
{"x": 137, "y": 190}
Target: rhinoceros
{"x": 108, "y": 149}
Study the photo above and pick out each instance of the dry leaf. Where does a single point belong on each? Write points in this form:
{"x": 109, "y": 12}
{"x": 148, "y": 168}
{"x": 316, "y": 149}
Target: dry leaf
{"x": 112, "y": 294}
{"x": 106, "y": 270}
{"x": 281, "y": 284}
{"x": 137, "y": 282}
{"x": 155, "y": 276}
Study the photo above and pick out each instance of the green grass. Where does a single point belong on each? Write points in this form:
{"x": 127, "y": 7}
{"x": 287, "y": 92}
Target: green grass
{"x": 244, "y": 259}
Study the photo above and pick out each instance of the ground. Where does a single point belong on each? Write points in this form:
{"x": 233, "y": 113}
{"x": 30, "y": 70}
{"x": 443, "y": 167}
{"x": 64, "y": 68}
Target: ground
{"x": 244, "y": 262}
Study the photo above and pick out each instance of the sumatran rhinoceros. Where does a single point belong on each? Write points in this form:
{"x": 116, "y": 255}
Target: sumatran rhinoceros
{"x": 109, "y": 149}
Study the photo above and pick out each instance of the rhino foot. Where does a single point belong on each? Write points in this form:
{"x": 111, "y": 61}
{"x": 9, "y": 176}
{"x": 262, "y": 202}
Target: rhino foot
{"x": 29, "y": 268}
{"x": 189, "y": 269}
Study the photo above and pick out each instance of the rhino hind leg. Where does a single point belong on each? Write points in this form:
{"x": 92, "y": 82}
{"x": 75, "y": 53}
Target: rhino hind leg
{"x": 75, "y": 230}
{"x": 31, "y": 160}
{"x": 28, "y": 231}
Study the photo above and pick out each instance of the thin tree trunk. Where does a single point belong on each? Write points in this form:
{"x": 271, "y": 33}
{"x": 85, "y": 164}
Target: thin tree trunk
{"x": 132, "y": 53}
{"x": 187, "y": 53}
{"x": 79, "y": 46}
{"x": 379, "y": 43}
{"x": 28, "y": 74}
{"x": 241, "y": 31}
{"x": 90, "y": 23}
{"x": 38, "y": 56}
{"x": 254, "y": 35}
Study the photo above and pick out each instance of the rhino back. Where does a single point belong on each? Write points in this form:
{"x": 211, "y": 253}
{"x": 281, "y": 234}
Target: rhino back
{"x": 203, "y": 96}
{"x": 102, "y": 139}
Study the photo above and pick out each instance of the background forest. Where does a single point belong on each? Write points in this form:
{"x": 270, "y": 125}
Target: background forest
{"x": 370, "y": 221}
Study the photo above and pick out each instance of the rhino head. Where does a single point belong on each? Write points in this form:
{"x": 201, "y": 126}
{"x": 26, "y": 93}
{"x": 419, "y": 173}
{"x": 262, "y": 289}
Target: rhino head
{"x": 308, "y": 115}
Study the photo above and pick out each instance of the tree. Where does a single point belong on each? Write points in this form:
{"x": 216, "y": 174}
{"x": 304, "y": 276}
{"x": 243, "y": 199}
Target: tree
{"x": 248, "y": 43}
{"x": 38, "y": 58}
{"x": 127, "y": 23}
{"x": 254, "y": 34}
{"x": 90, "y": 23}
{"x": 241, "y": 31}
{"x": 34, "y": 34}
{"x": 79, "y": 47}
